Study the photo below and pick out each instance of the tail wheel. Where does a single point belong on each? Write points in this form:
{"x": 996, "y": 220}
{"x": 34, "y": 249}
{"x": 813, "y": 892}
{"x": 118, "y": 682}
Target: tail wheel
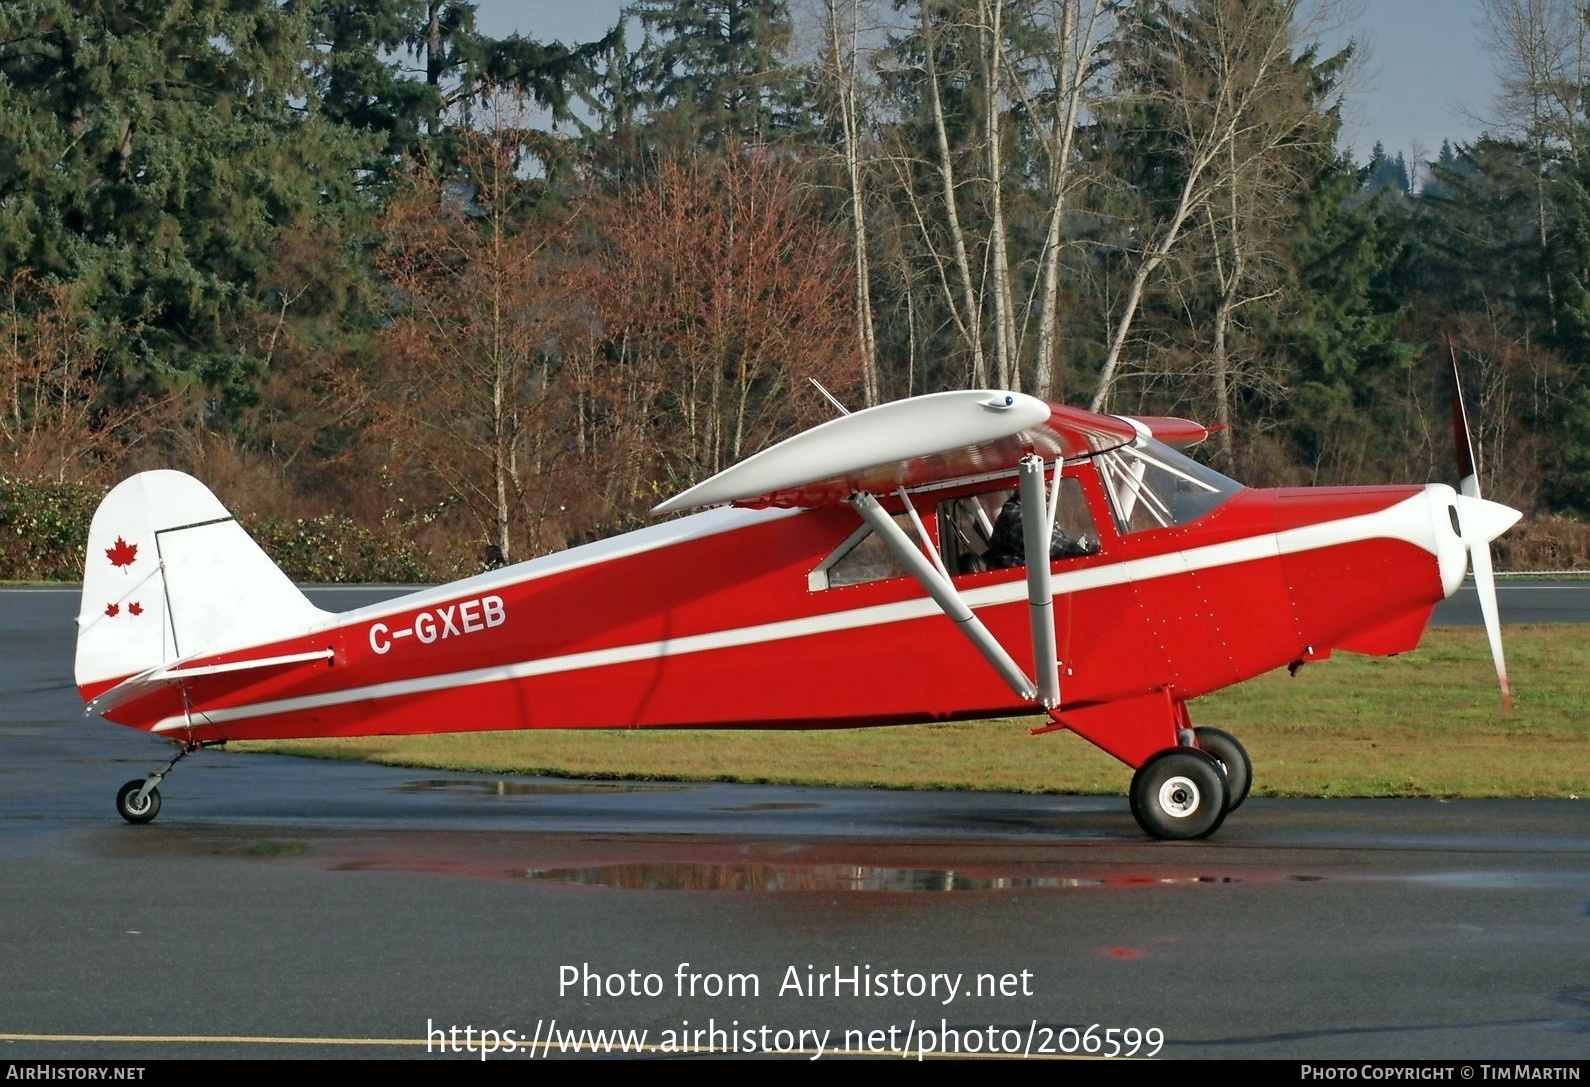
{"x": 1179, "y": 793}
{"x": 133, "y": 809}
{"x": 1233, "y": 759}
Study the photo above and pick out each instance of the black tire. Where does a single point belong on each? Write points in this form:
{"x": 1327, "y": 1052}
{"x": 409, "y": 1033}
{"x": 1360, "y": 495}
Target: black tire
{"x": 1233, "y": 759}
{"x": 132, "y": 811}
{"x": 1178, "y": 794}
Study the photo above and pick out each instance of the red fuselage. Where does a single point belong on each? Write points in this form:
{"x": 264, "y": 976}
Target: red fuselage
{"x": 715, "y": 621}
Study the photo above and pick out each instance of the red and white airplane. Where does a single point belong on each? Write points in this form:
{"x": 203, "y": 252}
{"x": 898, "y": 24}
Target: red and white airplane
{"x": 874, "y": 570}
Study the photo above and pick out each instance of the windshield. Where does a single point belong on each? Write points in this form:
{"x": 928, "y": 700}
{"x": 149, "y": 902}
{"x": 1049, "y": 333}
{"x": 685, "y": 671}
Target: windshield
{"x": 1151, "y": 486}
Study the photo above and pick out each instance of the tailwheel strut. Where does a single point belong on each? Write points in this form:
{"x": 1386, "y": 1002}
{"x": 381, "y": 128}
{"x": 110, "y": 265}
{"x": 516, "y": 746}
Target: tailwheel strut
{"x": 138, "y": 801}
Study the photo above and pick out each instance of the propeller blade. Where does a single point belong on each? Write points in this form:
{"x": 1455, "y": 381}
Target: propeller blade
{"x": 1462, "y": 439}
{"x": 1481, "y": 522}
{"x": 1485, "y": 585}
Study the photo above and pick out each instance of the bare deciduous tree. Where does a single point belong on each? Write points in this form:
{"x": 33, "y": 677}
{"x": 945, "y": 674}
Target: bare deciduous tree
{"x": 845, "y": 31}
{"x": 462, "y": 393}
{"x": 54, "y": 367}
{"x": 1222, "y": 80}
{"x": 714, "y": 292}
{"x": 1075, "y": 33}
{"x": 1542, "y": 50}
{"x": 1024, "y": 76}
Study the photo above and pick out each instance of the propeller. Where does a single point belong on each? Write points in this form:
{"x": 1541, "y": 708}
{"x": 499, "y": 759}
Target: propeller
{"x": 1478, "y": 523}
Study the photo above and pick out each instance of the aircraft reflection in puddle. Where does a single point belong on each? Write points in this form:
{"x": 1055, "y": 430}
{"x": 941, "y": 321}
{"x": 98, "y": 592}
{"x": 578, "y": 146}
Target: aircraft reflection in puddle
{"x": 499, "y": 787}
{"x": 691, "y": 876}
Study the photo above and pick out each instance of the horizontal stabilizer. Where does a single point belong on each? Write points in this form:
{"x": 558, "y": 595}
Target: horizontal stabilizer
{"x": 146, "y": 681}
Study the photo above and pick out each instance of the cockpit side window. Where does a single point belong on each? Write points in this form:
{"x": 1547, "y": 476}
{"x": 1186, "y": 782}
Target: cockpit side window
{"x": 982, "y": 531}
{"x": 861, "y": 559}
{"x": 1151, "y": 486}
{"x": 974, "y": 532}
{"x": 966, "y": 526}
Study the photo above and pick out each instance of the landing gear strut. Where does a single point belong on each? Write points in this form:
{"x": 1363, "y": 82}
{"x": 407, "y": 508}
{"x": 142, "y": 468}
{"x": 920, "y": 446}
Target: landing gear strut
{"x": 139, "y": 801}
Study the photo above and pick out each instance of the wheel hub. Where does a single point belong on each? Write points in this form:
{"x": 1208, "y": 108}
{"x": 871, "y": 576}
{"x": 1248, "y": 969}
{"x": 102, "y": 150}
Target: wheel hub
{"x": 1178, "y": 797}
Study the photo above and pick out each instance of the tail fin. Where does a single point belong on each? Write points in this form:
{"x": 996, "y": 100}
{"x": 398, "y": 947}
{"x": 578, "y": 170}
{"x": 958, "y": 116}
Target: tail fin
{"x": 170, "y": 573}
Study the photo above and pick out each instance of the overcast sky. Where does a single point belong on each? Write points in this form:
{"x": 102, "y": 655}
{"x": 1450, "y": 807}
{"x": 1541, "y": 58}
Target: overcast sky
{"x": 1426, "y": 71}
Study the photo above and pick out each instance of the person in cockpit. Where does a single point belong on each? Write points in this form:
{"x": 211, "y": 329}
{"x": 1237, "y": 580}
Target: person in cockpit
{"x": 1006, "y": 549}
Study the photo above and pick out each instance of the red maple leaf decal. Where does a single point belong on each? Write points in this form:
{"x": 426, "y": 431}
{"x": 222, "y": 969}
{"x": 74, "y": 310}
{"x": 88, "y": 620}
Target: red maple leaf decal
{"x": 135, "y": 608}
{"x": 112, "y": 609}
{"x": 122, "y": 554}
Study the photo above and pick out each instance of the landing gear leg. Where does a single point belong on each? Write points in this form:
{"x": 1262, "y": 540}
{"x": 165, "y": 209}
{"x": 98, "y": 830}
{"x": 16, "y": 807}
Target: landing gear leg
{"x": 139, "y": 801}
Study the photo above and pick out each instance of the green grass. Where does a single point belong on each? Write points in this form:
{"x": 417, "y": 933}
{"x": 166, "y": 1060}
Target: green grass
{"x": 1428, "y": 723}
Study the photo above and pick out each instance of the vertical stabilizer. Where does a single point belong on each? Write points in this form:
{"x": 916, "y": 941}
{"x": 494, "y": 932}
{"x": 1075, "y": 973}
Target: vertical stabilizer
{"x": 169, "y": 573}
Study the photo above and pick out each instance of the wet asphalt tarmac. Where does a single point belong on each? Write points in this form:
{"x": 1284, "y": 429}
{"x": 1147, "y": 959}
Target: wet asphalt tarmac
{"x": 291, "y": 908}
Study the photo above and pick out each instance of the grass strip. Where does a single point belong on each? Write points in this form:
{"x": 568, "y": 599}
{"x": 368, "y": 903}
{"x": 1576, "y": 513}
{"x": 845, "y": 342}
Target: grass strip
{"x": 1428, "y": 723}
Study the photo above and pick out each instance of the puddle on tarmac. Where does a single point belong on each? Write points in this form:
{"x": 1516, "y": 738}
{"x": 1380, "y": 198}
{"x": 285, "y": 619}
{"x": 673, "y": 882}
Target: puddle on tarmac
{"x": 1481, "y": 881}
{"x": 532, "y": 788}
{"x": 772, "y": 806}
{"x": 693, "y": 876}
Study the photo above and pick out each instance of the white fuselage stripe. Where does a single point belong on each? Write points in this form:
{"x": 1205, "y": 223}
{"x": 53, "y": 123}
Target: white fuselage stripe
{"x": 1408, "y": 520}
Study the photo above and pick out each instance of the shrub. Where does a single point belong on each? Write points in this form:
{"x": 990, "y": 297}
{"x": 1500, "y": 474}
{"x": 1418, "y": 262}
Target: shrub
{"x": 44, "y": 535}
{"x": 44, "y": 528}
{"x": 333, "y": 548}
{"x": 1548, "y": 542}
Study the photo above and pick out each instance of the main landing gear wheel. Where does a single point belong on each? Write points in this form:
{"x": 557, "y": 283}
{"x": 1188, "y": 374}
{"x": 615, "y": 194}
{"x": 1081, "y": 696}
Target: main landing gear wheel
{"x": 133, "y": 809}
{"x": 1233, "y": 759}
{"x": 1179, "y": 793}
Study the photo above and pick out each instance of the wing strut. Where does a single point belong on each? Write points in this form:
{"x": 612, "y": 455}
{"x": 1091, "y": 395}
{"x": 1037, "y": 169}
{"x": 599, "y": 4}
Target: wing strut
{"x": 943, "y": 593}
{"x": 1036, "y": 532}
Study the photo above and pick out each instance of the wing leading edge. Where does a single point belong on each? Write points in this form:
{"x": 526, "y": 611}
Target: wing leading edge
{"x": 907, "y": 443}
